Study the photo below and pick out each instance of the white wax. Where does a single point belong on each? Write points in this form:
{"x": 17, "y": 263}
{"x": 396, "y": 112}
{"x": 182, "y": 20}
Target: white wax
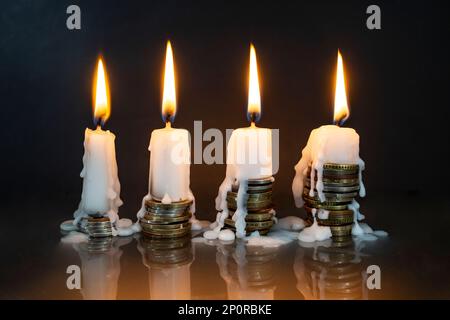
{"x": 101, "y": 186}
{"x": 314, "y": 232}
{"x": 249, "y": 156}
{"x": 169, "y": 164}
{"x": 169, "y": 173}
{"x": 327, "y": 144}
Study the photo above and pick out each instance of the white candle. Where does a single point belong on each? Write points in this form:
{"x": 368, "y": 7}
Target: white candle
{"x": 249, "y": 156}
{"x": 327, "y": 144}
{"x": 170, "y": 153}
{"x": 169, "y": 164}
{"x": 101, "y": 186}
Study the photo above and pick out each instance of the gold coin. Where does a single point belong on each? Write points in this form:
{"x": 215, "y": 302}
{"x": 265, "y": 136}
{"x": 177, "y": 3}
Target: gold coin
{"x": 336, "y": 175}
{"x": 267, "y": 180}
{"x": 336, "y": 187}
{"x": 149, "y": 218}
{"x": 168, "y": 213}
{"x": 339, "y": 231}
{"x": 251, "y": 197}
{"x": 252, "y": 225}
{"x": 332, "y": 196}
{"x": 325, "y": 205}
{"x": 255, "y": 189}
{"x": 168, "y": 206}
{"x": 335, "y": 182}
{"x": 252, "y": 206}
{"x": 257, "y": 216}
{"x": 341, "y": 167}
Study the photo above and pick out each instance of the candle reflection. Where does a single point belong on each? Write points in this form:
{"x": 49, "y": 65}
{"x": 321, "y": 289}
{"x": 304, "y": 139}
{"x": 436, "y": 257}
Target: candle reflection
{"x": 169, "y": 267}
{"x": 100, "y": 267}
{"x": 331, "y": 271}
{"x": 248, "y": 271}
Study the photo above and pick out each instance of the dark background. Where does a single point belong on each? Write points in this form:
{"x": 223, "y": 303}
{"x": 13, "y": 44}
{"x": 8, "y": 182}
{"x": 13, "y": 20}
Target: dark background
{"x": 397, "y": 87}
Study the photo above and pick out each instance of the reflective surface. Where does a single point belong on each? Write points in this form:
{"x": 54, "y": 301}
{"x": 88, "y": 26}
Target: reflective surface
{"x": 414, "y": 263}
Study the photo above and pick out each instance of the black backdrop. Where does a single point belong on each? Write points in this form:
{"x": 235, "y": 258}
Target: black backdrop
{"x": 397, "y": 78}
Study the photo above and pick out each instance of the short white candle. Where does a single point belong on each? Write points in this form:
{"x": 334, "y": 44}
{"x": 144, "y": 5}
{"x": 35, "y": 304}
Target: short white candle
{"x": 101, "y": 186}
{"x": 170, "y": 153}
{"x": 327, "y": 144}
{"x": 249, "y": 156}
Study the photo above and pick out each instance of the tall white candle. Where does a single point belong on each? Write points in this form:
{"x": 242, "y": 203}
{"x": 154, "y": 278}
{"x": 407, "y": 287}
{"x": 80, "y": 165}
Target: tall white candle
{"x": 170, "y": 153}
{"x": 249, "y": 156}
{"x": 328, "y": 144}
{"x": 101, "y": 186}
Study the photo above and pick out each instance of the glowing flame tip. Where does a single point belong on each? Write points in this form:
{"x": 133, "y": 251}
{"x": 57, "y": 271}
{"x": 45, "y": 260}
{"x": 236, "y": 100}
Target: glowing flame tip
{"x": 169, "y": 104}
{"x": 101, "y": 104}
{"x": 341, "y": 110}
{"x": 254, "y": 96}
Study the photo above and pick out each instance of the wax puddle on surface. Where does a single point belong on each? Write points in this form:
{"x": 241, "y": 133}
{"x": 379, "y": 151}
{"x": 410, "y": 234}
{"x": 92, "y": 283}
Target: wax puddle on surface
{"x": 75, "y": 237}
{"x": 363, "y": 230}
{"x": 290, "y": 223}
{"x": 272, "y": 239}
{"x": 198, "y": 225}
{"x": 314, "y": 232}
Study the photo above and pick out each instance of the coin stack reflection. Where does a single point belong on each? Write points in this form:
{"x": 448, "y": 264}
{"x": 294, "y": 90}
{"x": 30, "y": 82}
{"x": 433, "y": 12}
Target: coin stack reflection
{"x": 168, "y": 262}
{"x": 166, "y": 220}
{"x": 340, "y": 187}
{"x": 331, "y": 272}
{"x": 249, "y": 272}
{"x": 259, "y": 205}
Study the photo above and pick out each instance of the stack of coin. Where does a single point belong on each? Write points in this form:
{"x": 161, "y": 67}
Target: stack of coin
{"x": 98, "y": 227}
{"x": 259, "y": 205}
{"x": 340, "y": 187}
{"x": 166, "y": 220}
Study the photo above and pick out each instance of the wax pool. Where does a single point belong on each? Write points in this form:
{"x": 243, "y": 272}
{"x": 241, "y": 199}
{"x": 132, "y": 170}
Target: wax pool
{"x": 101, "y": 186}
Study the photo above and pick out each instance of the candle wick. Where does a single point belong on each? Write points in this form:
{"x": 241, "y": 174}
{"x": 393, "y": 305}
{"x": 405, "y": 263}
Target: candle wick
{"x": 98, "y": 123}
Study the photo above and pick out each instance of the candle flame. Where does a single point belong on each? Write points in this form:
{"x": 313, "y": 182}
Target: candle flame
{"x": 254, "y": 97}
{"x": 169, "y": 103}
{"x": 102, "y": 108}
{"x": 341, "y": 110}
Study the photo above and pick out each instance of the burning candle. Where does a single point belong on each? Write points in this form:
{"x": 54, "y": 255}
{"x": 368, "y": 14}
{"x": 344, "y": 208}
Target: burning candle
{"x": 249, "y": 156}
{"x": 101, "y": 186}
{"x": 169, "y": 172}
{"x": 328, "y": 144}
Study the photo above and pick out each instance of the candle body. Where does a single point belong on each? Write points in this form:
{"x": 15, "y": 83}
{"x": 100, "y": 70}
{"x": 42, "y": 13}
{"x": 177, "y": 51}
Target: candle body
{"x": 249, "y": 156}
{"x": 327, "y": 144}
{"x": 101, "y": 186}
{"x": 249, "y": 153}
{"x": 169, "y": 177}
